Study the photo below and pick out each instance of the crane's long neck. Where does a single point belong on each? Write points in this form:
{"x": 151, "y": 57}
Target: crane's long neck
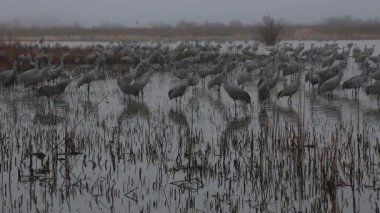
{"x": 97, "y": 67}
{"x": 15, "y": 69}
{"x": 340, "y": 74}
{"x": 62, "y": 63}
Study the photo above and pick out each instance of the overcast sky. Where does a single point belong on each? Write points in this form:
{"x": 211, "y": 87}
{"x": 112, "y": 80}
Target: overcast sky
{"x": 127, "y": 12}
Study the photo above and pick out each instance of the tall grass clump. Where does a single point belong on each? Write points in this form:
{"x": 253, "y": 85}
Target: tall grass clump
{"x": 269, "y": 30}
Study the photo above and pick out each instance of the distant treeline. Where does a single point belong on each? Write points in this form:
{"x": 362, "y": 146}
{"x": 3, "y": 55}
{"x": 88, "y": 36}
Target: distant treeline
{"x": 330, "y": 28}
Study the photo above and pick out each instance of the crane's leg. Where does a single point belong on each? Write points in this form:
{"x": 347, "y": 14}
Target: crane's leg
{"x": 88, "y": 90}
{"x": 235, "y": 107}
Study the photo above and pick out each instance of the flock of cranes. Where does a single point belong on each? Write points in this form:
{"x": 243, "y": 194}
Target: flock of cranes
{"x": 207, "y": 64}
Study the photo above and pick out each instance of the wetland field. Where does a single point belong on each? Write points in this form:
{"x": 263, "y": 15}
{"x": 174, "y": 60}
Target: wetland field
{"x": 109, "y": 148}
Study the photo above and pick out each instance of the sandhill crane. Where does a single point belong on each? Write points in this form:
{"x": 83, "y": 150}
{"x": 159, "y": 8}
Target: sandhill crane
{"x": 290, "y": 69}
{"x": 263, "y": 89}
{"x": 271, "y": 82}
{"x": 331, "y": 84}
{"x": 140, "y": 82}
{"x": 9, "y": 77}
{"x": 89, "y": 77}
{"x": 265, "y": 84}
{"x": 356, "y": 82}
{"x": 216, "y": 69}
{"x": 228, "y": 67}
{"x": 236, "y": 93}
{"x": 128, "y": 78}
{"x": 312, "y": 78}
{"x": 49, "y": 91}
{"x": 216, "y": 81}
{"x": 242, "y": 77}
{"x": 291, "y": 89}
{"x": 369, "y": 51}
{"x": 203, "y": 73}
{"x": 251, "y": 66}
{"x": 329, "y": 61}
{"x": 179, "y": 90}
{"x": 194, "y": 80}
{"x": 374, "y": 89}
{"x": 298, "y": 50}
{"x": 180, "y": 73}
{"x": 126, "y": 88}
{"x": 22, "y": 77}
{"x": 24, "y": 58}
{"x": 373, "y": 72}
{"x": 54, "y": 73}
{"x": 38, "y": 77}
{"x": 328, "y": 73}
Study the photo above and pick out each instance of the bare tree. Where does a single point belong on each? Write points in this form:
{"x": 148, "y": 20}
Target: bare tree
{"x": 269, "y": 29}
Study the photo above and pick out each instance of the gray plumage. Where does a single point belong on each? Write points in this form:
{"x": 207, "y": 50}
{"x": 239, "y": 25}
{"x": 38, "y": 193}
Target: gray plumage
{"x": 331, "y": 84}
{"x": 90, "y": 76}
{"x": 216, "y": 81}
{"x": 251, "y": 66}
{"x": 129, "y": 77}
{"x": 140, "y": 82}
{"x": 355, "y": 82}
{"x": 38, "y": 77}
{"x": 9, "y": 77}
{"x": 22, "y": 77}
{"x": 242, "y": 77}
{"x": 374, "y": 89}
{"x": 57, "y": 89}
{"x": 263, "y": 89}
{"x": 312, "y": 78}
{"x": 291, "y": 89}
{"x": 235, "y": 92}
{"x": 54, "y": 73}
{"x": 203, "y": 73}
{"x": 194, "y": 79}
{"x": 374, "y": 72}
{"x": 179, "y": 90}
{"x": 375, "y": 75}
{"x": 290, "y": 69}
{"x": 126, "y": 88}
{"x": 271, "y": 82}
{"x": 180, "y": 73}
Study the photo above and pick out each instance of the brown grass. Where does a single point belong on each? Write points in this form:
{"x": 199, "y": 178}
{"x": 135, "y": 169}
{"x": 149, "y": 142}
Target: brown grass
{"x": 291, "y": 32}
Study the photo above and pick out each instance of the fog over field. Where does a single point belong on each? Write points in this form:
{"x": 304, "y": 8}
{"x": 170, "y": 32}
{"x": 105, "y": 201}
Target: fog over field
{"x": 143, "y": 12}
